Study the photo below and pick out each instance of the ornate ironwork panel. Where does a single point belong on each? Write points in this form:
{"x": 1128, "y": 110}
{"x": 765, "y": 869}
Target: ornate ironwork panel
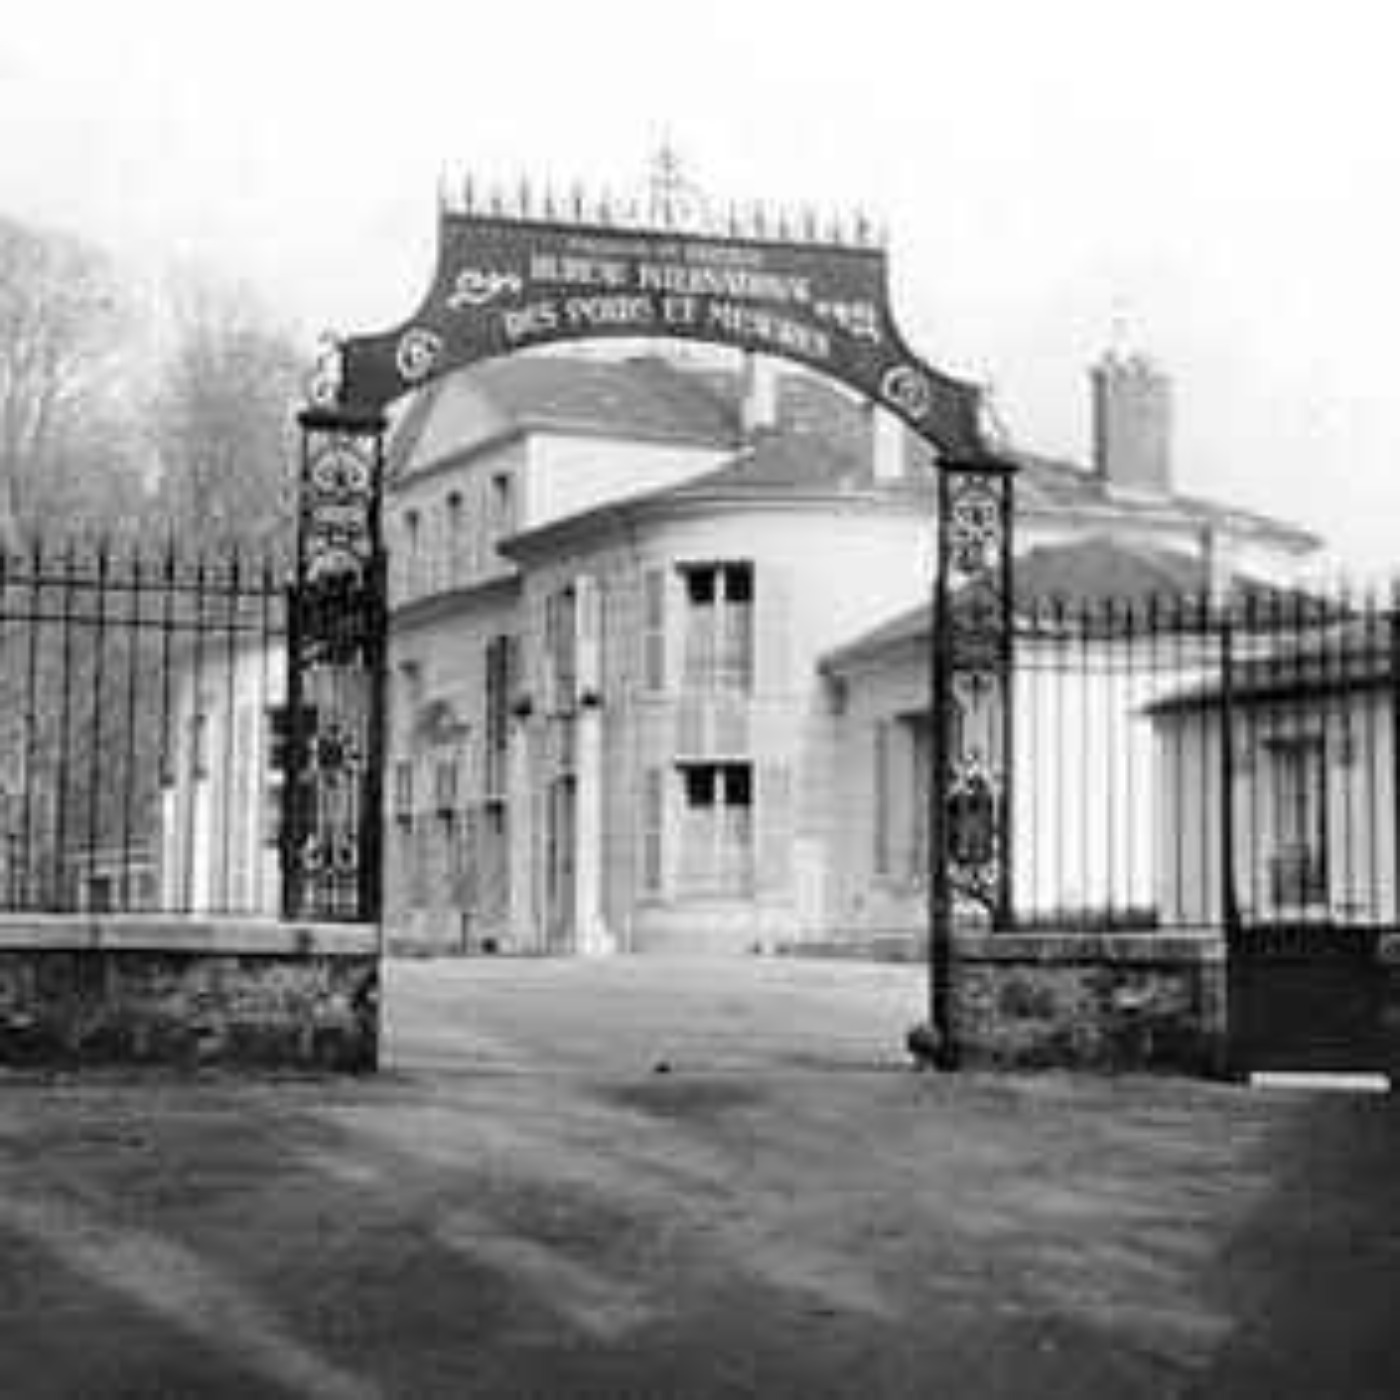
{"x": 970, "y": 782}
{"x": 973, "y": 662}
{"x": 334, "y": 726}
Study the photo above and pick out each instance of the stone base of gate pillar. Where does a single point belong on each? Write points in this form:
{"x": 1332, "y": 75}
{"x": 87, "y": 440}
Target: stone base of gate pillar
{"x": 1120, "y": 1001}
{"x": 77, "y": 990}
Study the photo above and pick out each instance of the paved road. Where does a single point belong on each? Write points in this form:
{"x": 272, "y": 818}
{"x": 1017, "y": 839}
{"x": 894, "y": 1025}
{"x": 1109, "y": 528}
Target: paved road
{"x": 522, "y": 1206}
{"x": 624, "y": 1016}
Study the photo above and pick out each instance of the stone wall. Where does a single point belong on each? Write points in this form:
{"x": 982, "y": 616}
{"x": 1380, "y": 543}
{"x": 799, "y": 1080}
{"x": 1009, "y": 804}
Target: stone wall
{"x": 1095, "y": 1001}
{"x": 79, "y": 990}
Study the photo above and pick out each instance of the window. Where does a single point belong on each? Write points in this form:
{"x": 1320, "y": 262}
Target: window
{"x": 403, "y": 790}
{"x": 561, "y": 649}
{"x": 920, "y": 776}
{"x": 880, "y": 799}
{"x": 1298, "y": 866}
{"x": 653, "y": 830}
{"x": 445, "y": 784}
{"x": 716, "y": 856}
{"x": 100, "y": 899}
{"x": 502, "y": 506}
{"x": 455, "y": 541}
{"x": 199, "y": 745}
{"x": 899, "y": 799}
{"x": 409, "y": 698}
{"x": 654, "y": 631}
{"x": 718, "y": 626}
{"x": 412, "y": 553}
{"x": 420, "y": 864}
{"x": 501, "y": 657}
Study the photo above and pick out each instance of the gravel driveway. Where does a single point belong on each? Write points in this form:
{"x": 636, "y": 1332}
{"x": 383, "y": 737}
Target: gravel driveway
{"x": 652, "y": 1179}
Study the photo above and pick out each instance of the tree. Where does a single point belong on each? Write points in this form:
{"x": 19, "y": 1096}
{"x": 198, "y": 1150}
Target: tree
{"x": 60, "y": 321}
{"x": 223, "y": 421}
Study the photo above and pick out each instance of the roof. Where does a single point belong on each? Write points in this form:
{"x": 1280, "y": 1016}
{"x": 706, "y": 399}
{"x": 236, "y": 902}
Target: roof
{"x": 645, "y": 398}
{"x": 785, "y": 461}
{"x": 1087, "y": 574}
{"x": 822, "y": 444}
{"x": 1050, "y": 485}
{"x": 1334, "y": 661}
{"x": 776, "y": 467}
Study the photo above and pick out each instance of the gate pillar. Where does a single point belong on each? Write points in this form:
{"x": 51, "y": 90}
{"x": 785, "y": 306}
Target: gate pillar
{"x": 969, "y": 848}
{"x": 331, "y": 842}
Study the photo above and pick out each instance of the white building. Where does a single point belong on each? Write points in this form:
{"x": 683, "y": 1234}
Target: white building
{"x": 1311, "y": 784}
{"x": 640, "y": 672}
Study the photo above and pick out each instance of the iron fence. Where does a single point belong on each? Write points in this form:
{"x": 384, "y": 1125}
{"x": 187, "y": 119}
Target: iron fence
{"x": 1184, "y": 762}
{"x": 140, "y": 696}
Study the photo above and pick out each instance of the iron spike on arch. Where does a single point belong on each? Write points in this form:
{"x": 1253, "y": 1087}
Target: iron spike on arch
{"x": 513, "y": 280}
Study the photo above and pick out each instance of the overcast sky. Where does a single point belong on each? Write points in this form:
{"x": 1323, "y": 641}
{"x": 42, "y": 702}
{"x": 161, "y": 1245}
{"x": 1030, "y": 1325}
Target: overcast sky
{"x": 1228, "y": 173}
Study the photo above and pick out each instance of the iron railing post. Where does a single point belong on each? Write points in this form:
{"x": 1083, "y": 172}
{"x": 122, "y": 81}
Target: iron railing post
{"x": 1393, "y": 735}
{"x": 1229, "y": 895}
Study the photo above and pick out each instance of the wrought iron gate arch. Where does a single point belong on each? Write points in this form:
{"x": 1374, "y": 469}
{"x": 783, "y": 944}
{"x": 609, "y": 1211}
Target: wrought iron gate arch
{"x": 509, "y": 281}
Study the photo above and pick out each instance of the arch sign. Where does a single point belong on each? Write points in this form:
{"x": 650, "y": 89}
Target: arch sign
{"x": 510, "y": 282}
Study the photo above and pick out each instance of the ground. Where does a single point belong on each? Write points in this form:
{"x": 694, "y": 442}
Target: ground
{"x": 660, "y": 1179}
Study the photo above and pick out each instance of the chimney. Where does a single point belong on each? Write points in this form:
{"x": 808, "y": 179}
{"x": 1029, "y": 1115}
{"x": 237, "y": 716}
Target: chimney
{"x": 1132, "y": 405}
{"x": 760, "y": 395}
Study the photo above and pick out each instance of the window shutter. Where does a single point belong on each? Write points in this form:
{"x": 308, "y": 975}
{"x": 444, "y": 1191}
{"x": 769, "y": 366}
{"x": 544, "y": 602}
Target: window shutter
{"x": 772, "y": 630}
{"x": 880, "y": 798}
{"x": 502, "y": 657}
{"x": 654, "y": 831}
{"x": 773, "y": 868}
{"x": 588, "y": 605}
{"x": 543, "y": 668}
{"x": 654, "y": 631}
{"x": 921, "y": 768}
{"x": 903, "y": 785}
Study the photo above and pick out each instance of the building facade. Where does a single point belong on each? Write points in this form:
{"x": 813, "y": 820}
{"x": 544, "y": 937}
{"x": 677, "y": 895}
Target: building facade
{"x": 658, "y": 678}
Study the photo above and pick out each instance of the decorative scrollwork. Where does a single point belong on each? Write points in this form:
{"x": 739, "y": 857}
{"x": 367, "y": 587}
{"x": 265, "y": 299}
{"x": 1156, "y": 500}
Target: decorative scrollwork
{"x": 907, "y": 388}
{"x": 474, "y": 286}
{"x": 340, "y": 472}
{"x": 345, "y": 858}
{"x": 974, "y": 530}
{"x": 336, "y": 752}
{"x": 327, "y": 375}
{"x": 417, "y": 353}
{"x": 337, "y": 501}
